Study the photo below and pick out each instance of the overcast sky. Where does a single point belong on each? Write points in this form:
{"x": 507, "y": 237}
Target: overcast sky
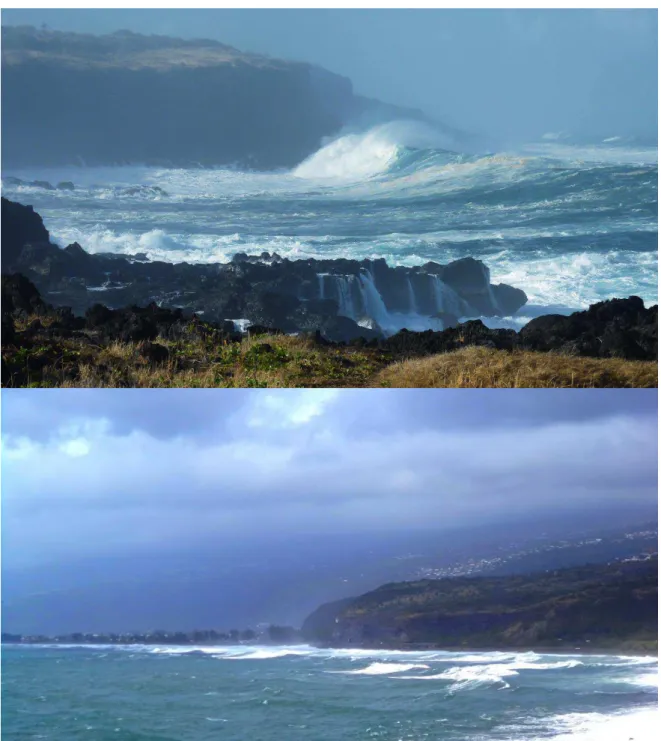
{"x": 509, "y": 73}
{"x": 95, "y": 472}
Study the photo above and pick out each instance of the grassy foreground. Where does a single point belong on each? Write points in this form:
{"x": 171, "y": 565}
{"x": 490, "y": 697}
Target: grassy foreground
{"x": 480, "y": 367}
{"x": 280, "y": 361}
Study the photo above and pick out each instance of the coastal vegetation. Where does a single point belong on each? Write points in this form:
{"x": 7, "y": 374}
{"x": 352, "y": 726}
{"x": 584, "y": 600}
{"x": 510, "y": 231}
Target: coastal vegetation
{"x": 282, "y": 361}
{"x": 593, "y": 606}
{"x": 268, "y": 634}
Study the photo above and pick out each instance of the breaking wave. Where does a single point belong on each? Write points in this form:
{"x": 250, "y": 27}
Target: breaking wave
{"x": 571, "y": 223}
{"x": 381, "y": 668}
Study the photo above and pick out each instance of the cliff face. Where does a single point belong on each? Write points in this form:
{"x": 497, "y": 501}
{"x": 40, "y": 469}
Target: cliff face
{"x": 73, "y": 98}
{"x": 610, "y": 605}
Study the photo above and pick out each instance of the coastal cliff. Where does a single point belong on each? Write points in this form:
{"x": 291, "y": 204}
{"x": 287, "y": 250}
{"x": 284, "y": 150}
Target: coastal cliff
{"x": 612, "y": 605}
{"x": 73, "y": 98}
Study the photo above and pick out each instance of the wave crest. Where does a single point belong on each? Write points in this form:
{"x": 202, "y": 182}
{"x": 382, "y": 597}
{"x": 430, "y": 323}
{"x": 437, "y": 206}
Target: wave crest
{"x": 357, "y": 156}
{"x": 377, "y": 668}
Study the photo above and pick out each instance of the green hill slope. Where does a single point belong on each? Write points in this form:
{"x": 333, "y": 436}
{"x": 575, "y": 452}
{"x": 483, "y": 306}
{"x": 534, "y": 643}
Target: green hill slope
{"x": 607, "y": 606}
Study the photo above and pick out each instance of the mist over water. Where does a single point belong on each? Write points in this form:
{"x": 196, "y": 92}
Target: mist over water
{"x": 301, "y": 692}
{"x": 570, "y": 222}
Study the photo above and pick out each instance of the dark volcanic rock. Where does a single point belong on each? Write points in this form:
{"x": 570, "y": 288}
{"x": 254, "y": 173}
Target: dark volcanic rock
{"x": 508, "y": 298}
{"x": 337, "y": 299}
{"x": 155, "y": 353}
{"x": 620, "y": 328}
{"x": 470, "y": 278}
{"x": 21, "y": 225}
{"x": 416, "y": 344}
{"x": 8, "y": 330}
{"x": 344, "y": 299}
{"x": 42, "y": 184}
{"x": 20, "y": 296}
{"x": 144, "y": 324}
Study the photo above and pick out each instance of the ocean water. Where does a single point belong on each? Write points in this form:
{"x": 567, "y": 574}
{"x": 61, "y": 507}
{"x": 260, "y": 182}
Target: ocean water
{"x": 570, "y": 223}
{"x": 301, "y": 693}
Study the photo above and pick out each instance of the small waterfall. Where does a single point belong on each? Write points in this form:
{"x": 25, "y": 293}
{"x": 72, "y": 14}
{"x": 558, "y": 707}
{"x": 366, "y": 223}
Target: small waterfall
{"x": 438, "y": 292}
{"x": 374, "y": 306}
{"x": 321, "y": 277}
{"x": 494, "y": 301}
{"x": 447, "y": 300}
{"x": 345, "y": 297}
{"x": 413, "y": 307}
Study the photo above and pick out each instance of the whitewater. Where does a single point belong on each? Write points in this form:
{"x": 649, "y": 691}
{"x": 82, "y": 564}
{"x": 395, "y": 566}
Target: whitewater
{"x": 270, "y": 693}
{"x": 570, "y": 223}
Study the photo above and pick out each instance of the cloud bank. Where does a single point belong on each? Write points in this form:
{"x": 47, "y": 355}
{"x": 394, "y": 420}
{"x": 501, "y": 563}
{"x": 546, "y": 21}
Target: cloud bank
{"x": 97, "y": 472}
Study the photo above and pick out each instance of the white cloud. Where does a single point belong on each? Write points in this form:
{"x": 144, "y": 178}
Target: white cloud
{"x": 75, "y": 448}
{"x": 289, "y": 408}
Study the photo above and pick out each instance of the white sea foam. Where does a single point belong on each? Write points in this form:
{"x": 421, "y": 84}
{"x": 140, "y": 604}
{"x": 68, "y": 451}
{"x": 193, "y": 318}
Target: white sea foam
{"x": 469, "y": 677}
{"x": 383, "y": 668}
{"x": 521, "y": 665}
{"x": 641, "y": 724}
{"x": 594, "y": 154}
{"x": 646, "y": 679}
{"x": 258, "y": 652}
{"x": 354, "y": 156}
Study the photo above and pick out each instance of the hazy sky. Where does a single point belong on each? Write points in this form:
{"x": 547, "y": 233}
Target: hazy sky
{"x": 515, "y": 74}
{"x": 94, "y": 472}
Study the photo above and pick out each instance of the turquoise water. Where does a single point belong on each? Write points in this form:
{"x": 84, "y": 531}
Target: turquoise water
{"x": 294, "y": 693}
{"x": 570, "y": 223}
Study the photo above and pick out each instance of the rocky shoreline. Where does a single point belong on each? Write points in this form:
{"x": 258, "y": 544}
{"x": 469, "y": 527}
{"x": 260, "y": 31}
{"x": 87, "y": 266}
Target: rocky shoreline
{"x": 131, "y": 299}
{"x": 343, "y": 299}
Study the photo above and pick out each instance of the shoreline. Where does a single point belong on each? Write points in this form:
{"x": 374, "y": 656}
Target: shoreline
{"x": 423, "y": 648}
{"x": 551, "y": 650}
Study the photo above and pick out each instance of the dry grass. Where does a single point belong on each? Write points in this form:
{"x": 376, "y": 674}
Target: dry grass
{"x": 288, "y": 362}
{"x": 479, "y": 367}
{"x": 258, "y": 362}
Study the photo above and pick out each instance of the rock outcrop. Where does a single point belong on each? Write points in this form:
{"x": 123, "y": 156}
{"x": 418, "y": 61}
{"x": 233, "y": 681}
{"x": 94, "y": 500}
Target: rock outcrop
{"x": 335, "y": 300}
{"x": 619, "y": 328}
{"x": 343, "y": 299}
{"x": 21, "y": 225}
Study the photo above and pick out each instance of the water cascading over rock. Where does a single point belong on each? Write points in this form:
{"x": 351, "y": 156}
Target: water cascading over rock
{"x": 359, "y": 298}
